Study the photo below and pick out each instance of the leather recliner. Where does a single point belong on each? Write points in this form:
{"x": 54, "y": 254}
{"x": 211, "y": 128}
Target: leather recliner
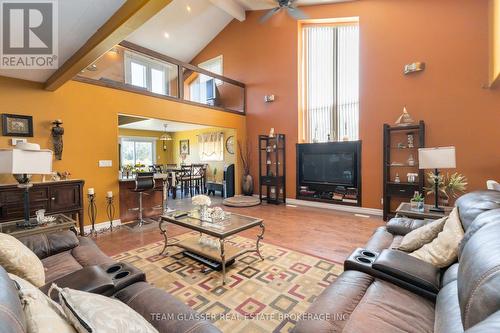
{"x": 468, "y": 299}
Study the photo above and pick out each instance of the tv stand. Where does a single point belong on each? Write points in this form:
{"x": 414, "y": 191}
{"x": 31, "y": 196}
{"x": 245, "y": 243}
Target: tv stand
{"x": 345, "y": 191}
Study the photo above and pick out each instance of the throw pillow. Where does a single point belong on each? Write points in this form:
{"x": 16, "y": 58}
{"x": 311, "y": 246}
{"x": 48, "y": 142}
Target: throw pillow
{"x": 19, "y": 260}
{"x": 417, "y": 238}
{"x": 443, "y": 251}
{"x": 42, "y": 314}
{"x": 96, "y": 313}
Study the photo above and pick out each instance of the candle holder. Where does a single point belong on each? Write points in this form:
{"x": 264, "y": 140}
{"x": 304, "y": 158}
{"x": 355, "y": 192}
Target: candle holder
{"x": 92, "y": 210}
{"x": 110, "y": 211}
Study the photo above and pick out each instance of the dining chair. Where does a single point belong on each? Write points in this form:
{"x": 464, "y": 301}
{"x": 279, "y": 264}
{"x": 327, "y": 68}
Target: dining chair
{"x": 185, "y": 180}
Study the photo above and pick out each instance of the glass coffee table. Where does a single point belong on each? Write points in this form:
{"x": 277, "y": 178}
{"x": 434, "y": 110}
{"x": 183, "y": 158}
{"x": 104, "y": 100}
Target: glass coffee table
{"x": 223, "y": 253}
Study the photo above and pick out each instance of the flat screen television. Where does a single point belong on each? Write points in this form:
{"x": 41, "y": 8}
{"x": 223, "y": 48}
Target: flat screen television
{"x": 322, "y": 165}
{"x": 329, "y": 168}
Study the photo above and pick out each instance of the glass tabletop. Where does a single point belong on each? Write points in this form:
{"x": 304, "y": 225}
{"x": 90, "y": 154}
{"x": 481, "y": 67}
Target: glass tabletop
{"x": 12, "y": 227}
{"x": 231, "y": 225}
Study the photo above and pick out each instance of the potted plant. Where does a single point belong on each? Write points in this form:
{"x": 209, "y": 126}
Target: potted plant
{"x": 247, "y": 180}
{"x": 449, "y": 186}
{"x": 417, "y": 202}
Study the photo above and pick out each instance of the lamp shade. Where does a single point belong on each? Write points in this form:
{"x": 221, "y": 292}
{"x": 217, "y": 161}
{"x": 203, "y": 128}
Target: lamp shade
{"x": 436, "y": 158}
{"x": 32, "y": 162}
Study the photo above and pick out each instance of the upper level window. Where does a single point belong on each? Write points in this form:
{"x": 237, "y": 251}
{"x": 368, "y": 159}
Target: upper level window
{"x": 330, "y": 81}
{"x": 148, "y": 73}
{"x": 137, "y": 151}
{"x": 204, "y": 88}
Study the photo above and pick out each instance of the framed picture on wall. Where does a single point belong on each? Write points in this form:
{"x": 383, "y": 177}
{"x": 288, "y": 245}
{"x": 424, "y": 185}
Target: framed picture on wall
{"x": 17, "y": 125}
{"x": 184, "y": 147}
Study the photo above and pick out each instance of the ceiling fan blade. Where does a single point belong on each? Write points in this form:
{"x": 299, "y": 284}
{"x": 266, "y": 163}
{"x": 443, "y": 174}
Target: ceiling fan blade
{"x": 296, "y": 13}
{"x": 269, "y": 14}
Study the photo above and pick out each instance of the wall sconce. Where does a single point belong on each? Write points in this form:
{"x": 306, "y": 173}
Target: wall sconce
{"x": 269, "y": 98}
{"x": 414, "y": 67}
{"x": 57, "y": 138}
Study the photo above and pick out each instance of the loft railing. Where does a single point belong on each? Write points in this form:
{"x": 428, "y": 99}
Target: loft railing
{"x": 134, "y": 68}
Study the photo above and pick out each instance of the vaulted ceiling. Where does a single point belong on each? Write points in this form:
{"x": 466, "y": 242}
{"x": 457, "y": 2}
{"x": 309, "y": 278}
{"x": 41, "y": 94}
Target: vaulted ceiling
{"x": 180, "y": 30}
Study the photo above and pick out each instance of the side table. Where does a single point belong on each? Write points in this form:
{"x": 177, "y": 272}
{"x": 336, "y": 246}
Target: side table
{"x": 61, "y": 223}
{"x": 404, "y": 210}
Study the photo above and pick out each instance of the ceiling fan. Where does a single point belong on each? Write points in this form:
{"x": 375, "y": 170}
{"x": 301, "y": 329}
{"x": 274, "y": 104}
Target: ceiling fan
{"x": 287, "y": 5}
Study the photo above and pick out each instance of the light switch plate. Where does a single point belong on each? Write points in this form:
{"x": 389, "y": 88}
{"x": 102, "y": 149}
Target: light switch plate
{"x": 105, "y": 164}
{"x": 15, "y": 141}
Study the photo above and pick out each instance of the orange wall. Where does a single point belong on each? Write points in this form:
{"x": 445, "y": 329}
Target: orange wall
{"x": 451, "y": 36}
{"x": 90, "y": 117}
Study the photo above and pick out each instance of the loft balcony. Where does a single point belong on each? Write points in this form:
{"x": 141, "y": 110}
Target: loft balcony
{"x": 136, "y": 69}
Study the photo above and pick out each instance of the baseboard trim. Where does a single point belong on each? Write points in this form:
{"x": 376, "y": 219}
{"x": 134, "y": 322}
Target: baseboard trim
{"x": 324, "y": 205}
{"x": 102, "y": 225}
{"x": 344, "y": 208}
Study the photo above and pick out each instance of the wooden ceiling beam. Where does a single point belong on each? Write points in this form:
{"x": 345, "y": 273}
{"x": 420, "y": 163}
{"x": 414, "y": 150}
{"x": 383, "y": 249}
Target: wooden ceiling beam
{"x": 130, "y": 16}
{"x": 232, "y": 8}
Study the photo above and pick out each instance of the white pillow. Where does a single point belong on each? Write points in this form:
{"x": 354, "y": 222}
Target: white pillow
{"x": 42, "y": 314}
{"x": 19, "y": 260}
{"x": 96, "y": 313}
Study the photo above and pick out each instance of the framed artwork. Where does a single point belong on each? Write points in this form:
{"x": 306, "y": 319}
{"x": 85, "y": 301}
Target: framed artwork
{"x": 230, "y": 145}
{"x": 17, "y": 125}
{"x": 184, "y": 147}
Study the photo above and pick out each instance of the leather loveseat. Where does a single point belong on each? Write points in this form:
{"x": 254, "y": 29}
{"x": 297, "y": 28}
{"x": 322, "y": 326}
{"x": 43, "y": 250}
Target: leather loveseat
{"x": 78, "y": 263}
{"x": 467, "y": 298}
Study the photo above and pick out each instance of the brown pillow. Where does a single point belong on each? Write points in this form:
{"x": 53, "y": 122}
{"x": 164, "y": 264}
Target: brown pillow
{"x": 443, "y": 251}
{"x": 421, "y": 236}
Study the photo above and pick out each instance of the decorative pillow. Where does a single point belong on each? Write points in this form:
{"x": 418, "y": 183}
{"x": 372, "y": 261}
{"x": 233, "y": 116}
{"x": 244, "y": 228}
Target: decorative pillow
{"x": 42, "y": 314}
{"x": 419, "y": 237}
{"x": 443, "y": 251}
{"x": 17, "y": 259}
{"x": 96, "y": 313}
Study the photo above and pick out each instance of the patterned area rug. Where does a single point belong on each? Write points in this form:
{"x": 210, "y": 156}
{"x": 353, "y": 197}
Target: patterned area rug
{"x": 260, "y": 296}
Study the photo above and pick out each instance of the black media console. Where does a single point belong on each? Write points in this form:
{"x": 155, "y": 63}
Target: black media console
{"x": 329, "y": 172}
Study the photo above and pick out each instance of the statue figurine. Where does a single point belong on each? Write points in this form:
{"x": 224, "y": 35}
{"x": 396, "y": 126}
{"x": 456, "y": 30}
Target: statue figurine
{"x": 57, "y": 138}
{"x": 405, "y": 119}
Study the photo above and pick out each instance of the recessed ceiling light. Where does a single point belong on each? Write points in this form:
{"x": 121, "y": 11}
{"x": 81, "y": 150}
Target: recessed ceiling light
{"x": 166, "y": 35}
{"x": 188, "y": 8}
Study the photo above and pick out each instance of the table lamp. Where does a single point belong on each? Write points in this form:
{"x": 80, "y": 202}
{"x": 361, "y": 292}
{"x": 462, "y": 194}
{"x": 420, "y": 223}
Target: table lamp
{"x": 436, "y": 158}
{"x": 23, "y": 161}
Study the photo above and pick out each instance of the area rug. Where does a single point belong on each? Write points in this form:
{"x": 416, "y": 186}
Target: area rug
{"x": 260, "y": 296}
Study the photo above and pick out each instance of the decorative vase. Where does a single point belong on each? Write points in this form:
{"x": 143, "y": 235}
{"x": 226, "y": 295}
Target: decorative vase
{"x": 203, "y": 211}
{"x": 247, "y": 185}
{"x": 417, "y": 206}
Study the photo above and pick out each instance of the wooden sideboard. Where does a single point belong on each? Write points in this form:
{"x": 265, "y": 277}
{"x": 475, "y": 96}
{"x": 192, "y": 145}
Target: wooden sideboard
{"x": 61, "y": 197}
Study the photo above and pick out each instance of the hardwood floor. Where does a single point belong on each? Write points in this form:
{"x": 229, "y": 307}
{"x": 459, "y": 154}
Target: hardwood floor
{"x": 321, "y": 232}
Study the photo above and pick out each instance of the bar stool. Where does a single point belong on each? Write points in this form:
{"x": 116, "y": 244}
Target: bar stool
{"x": 144, "y": 182}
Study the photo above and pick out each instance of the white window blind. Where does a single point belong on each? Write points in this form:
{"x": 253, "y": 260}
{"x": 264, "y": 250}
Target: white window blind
{"x": 211, "y": 146}
{"x": 330, "y": 87}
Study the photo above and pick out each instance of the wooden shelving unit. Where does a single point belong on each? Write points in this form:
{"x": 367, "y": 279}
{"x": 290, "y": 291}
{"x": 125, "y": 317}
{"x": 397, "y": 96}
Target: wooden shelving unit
{"x": 393, "y": 192}
{"x": 272, "y": 168}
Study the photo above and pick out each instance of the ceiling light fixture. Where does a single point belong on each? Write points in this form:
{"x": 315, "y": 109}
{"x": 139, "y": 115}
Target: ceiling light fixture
{"x": 165, "y": 137}
{"x": 188, "y": 8}
{"x": 92, "y": 68}
{"x": 166, "y": 35}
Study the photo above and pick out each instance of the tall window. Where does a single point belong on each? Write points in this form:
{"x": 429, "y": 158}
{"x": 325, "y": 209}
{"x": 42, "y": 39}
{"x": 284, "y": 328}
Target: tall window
{"x": 134, "y": 150}
{"x": 330, "y": 82}
{"x": 152, "y": 75}
{"x": 202, "y": 90}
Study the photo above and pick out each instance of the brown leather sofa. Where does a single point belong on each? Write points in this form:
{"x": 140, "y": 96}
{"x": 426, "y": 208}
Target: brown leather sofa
{"x": 467, "y": 298}
{"x": 77, "y": 262}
